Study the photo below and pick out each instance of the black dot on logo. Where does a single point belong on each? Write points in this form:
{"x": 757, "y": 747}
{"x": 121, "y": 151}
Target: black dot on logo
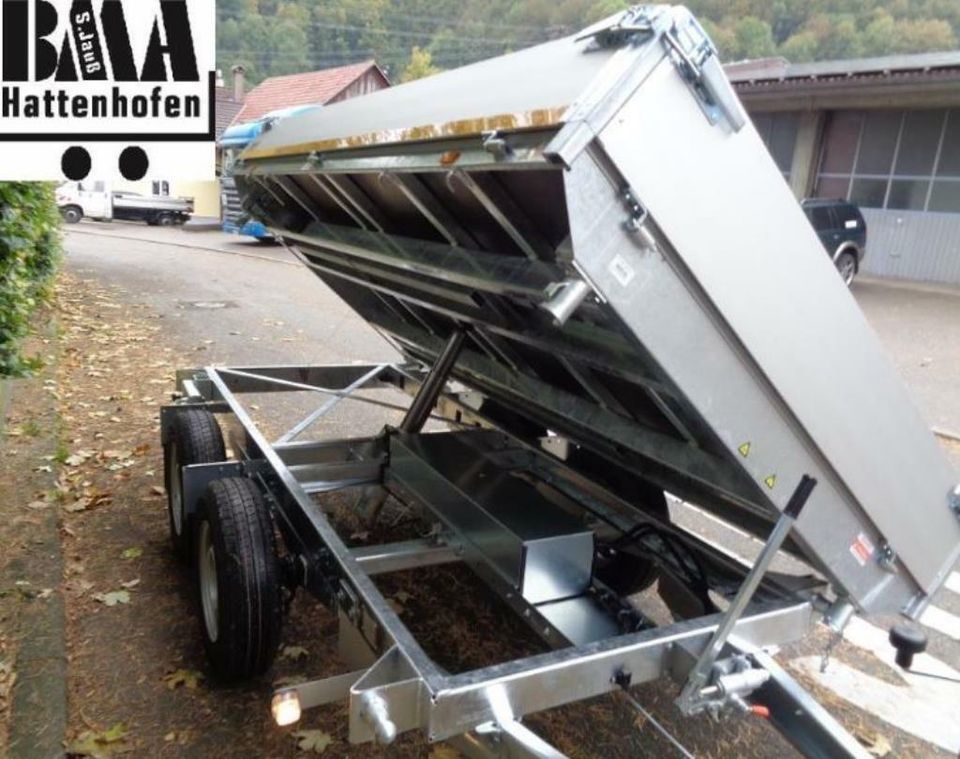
{"x": 134, "y": 163}
{"x": 75, "y": 163}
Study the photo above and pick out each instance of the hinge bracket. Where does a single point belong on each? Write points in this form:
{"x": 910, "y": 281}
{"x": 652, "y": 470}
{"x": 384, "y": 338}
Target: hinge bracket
{"x": 634, "y": 25}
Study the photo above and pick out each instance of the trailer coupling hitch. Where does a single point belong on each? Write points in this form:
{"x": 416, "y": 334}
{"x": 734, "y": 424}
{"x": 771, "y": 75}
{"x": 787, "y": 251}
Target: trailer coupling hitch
{"x": 702, "y": 687}
{"x": 731, "y": 681}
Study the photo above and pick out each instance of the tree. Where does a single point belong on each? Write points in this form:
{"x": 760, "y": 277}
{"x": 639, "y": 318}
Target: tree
{"x": 284, "y": 36}
{"x": 754, "y": 39}
{"x": 800, "y": 47}
{"x": 420, "y": 65}
{"x": 924, "y": 34}
{"x": 879, "y": 37}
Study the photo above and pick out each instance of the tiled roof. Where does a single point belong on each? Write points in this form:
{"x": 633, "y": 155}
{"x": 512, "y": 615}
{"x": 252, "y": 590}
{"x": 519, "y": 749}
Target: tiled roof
{"x": 278, "y": 92}
{"x": 226, "y": 108}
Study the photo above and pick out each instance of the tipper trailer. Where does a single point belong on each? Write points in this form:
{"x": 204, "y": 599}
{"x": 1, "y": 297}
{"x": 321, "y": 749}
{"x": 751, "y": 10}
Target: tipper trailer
{"x": 601, "y": 284}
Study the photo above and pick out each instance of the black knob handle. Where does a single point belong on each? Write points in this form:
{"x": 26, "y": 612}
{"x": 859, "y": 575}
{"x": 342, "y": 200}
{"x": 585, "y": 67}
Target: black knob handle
{"x": 908, "y": 641}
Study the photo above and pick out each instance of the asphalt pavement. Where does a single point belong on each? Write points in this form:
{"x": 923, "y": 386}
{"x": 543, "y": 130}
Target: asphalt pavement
{"x": 237, "y": 302}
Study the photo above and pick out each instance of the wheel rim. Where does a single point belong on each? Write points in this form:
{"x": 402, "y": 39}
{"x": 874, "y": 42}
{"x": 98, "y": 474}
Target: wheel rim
{"x": 847, "y": 268}
{"x": 208, "y": 582}
{"x": 176, "y": 491}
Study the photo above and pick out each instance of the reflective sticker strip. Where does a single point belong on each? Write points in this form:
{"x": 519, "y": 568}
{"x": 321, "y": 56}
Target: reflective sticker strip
{"x": 862, "y": 549}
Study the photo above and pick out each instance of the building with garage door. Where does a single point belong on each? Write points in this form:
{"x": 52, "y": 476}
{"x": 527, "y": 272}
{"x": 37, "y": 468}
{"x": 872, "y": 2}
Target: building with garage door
{"x": 882, "y": 132}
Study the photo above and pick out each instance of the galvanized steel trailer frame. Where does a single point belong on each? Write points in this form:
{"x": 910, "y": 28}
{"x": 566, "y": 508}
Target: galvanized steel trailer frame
{"x": 560, "y": 242}
{"x": 393, "y": 685}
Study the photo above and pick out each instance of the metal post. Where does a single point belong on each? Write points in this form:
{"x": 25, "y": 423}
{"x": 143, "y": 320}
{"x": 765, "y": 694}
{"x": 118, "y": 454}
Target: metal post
{"x": 418, "y": 413}
{"x": 691, "y": 697}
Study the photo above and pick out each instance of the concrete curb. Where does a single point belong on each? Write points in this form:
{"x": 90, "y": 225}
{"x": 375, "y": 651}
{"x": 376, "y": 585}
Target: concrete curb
{"x": 38, "y": 709}
{"x": 189, "y": 246}
{"x": 38, "y": 702}
{"x": 4, "y": 400}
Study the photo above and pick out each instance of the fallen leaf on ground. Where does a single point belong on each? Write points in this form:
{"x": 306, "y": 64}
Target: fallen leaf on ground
{"x": 114, "y": 733}
{"x": 402, "y": 596}
{"x": 99, "y": 745}
{"x": 157, "y": 490}
{"x": 132, "y": 553}
{"x": 76, "y": 459}
{"x": 293, "y": 652}
{"x": 312, "y": 740}
{"x": 130, "y": 584}
{"x": 188, "y": 678}
{"x": 876, "y": 745}
{"x": 38, "y": 505}
{"x": 113, "y": 598}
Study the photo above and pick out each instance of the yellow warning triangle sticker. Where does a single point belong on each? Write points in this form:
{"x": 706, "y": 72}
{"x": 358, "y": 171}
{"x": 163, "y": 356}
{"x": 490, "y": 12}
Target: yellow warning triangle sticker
{"x": 770, "y": 481}
{"x": 744, "y": 449}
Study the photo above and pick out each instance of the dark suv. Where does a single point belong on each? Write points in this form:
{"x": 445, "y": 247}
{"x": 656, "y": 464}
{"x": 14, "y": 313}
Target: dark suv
{"x": 842, "y": 231}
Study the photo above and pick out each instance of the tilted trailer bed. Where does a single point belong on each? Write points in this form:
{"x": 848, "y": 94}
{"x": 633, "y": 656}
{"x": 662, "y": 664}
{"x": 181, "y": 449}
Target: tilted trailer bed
{"x": 597, "y": 275}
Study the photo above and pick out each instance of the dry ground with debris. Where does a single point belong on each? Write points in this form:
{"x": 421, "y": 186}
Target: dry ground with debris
{"x": 137, "y": 681}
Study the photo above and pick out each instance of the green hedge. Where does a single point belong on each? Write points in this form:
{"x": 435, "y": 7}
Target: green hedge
{"x": 29, "y": 252}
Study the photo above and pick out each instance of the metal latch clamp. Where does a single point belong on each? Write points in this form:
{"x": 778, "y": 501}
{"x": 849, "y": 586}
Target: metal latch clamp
{"x": 695, "y": 56}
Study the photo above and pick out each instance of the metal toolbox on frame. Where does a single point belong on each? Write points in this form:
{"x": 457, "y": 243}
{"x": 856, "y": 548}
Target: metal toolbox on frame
{"x": 584, "y": 250}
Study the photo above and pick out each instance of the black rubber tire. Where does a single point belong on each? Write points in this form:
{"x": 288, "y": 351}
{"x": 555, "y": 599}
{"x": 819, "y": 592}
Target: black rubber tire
{"x": 71, "y": 214}
{"x": 195, "y": 438}
{"x": 165, "y": 220}
{"x": 249, "y": 606}
{"x": 847, "y": 261}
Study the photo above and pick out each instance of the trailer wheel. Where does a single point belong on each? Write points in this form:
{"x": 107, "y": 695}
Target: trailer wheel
{"x": 71, "y": 214}
{"x": 165, "y": 220}
{"x": 195, "y": 439}
{"x": 238, "y": 580}
{"x": 847, "y": 266}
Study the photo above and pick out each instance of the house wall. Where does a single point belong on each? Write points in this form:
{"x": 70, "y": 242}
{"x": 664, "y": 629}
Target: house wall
{"x": 917, "y": 245}
{"x": 206, "y": 195}
{"x": 372, "y": 81}
{"x": 904, "y": 175}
